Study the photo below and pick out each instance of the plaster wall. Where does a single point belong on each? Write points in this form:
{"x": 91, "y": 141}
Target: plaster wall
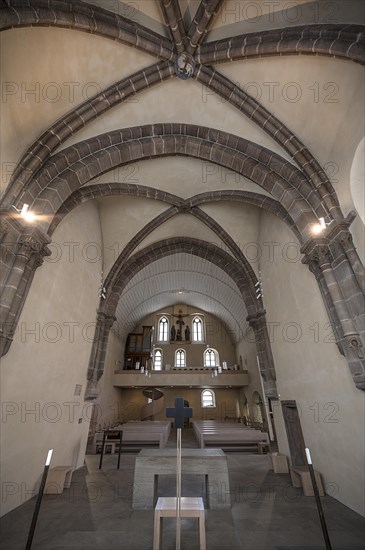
{"x": 185, "y": 225}
{"x": 121, "y": 218}
{"x": 322, "y": 102}
{"x": 38, "y": 86}
{"x": 133, "y": 400}
{"x": 246, "y": 348}
{"x": 244, "y": 16}
{"x": 175, "y": 175}
{"x": 48, "y": 358}
{"x": 109, "y": 400}
{"x": 311, "y": 371}
{"x": 192, "y": 103}
{"x": 216, "y": 333}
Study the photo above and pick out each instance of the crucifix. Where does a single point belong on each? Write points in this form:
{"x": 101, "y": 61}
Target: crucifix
{"x": 179, "y": 413}
{"x": 180, "y": 322}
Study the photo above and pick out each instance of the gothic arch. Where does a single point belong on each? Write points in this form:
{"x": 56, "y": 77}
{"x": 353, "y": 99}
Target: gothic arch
{"x": 87, "y": 18}
{"x": 75, "y": 166}
{"x": 119, "y": 189}
{"x": 124, "y": 270}
{"x": 343, "y": 41}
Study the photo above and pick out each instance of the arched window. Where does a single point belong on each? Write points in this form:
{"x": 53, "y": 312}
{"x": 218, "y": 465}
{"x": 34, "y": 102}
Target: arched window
{"x": 180, "y": 358}
{"x": 211, "y": 358}
{"x": 163, "y": 329}
{"x": 157, "y": 363}
{"x": 208, "y": 398}
{"x": 197, "y": 329}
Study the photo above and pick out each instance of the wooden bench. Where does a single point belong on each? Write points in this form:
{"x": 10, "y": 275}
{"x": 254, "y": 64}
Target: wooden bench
{"x": 263, "y": 447}
{"x": 58, "y": 479}
{"x": 136, "y": 433}
{"x": 163, "y": 428}
{"x": 300, "y": 477}
{"x": 212, "y": 427}
{"x": 228, "y": 434}
{"x": 190, "y": 507}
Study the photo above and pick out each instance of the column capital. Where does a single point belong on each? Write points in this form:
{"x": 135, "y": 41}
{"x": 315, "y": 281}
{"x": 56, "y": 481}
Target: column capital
{"x": 257, "y": 319}
{"x": 316, "y": 250}
{"x": 105, "y": 320}
{"x": 22, "y": 238}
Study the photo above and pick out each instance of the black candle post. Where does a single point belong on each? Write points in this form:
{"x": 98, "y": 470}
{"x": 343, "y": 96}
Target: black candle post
{"x": 39, "y": 500}
{"x": 318, "y": 501}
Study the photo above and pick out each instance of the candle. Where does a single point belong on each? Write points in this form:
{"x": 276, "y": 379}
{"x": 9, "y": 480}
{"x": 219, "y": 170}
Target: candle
{"x": 49, "y": 456}
{"x": 309, "y": 460}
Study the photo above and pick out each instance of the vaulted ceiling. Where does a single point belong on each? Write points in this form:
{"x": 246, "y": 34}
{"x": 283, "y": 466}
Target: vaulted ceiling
{"x": 256, "y": 112}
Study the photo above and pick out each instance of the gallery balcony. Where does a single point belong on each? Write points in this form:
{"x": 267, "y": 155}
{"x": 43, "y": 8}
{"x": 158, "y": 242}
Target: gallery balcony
{"x": 194, "y": 377}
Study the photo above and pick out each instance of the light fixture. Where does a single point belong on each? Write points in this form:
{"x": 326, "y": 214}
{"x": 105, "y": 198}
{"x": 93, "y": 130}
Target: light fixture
{"x": 321, "y": 226}
{"x": 102, "y": 289}
{"x": 25, "y": 213}
{"x": 180, "y": 291}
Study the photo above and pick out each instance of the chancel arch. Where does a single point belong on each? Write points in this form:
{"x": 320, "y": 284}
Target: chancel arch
{"x": 124, "y": 271}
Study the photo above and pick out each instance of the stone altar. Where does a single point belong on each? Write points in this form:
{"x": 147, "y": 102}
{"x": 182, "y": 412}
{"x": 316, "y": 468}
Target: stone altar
{"x": 212, "y": 463}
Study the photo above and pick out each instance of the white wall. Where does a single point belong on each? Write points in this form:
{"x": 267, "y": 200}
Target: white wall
{"x": 48, "y": 357}
{"x": 246, "y": 348}
{"x": 109, "y": 402}
{"x": 311, "y": 371}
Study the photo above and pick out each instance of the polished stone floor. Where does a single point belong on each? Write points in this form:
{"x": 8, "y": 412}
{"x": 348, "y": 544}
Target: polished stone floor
{"x": 267, "y": 513}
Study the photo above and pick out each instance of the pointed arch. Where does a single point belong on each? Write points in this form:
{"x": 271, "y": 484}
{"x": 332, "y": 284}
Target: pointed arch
{"x": 75, "y": 166}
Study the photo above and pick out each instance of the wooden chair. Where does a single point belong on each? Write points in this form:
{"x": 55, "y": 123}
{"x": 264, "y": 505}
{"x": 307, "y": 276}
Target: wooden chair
{"x": 190, "y": 507}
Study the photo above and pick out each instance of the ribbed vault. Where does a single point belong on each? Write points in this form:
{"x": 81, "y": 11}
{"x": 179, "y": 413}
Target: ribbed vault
{"x": 53, "y": 177}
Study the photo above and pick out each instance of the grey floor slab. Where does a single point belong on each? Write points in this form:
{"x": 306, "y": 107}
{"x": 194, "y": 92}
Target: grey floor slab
{"x": 267, "y": 513}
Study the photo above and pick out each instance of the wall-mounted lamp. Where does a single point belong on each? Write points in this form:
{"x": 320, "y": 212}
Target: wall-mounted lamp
{"x": 321, "y": 226}
{"x": 102, "y": 289}
{"x": 25, "y": 213}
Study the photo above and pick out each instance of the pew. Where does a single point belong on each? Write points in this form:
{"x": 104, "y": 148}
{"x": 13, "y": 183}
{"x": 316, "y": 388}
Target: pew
{"x": 221, "y": 433}
{"x": 137, "y": 433}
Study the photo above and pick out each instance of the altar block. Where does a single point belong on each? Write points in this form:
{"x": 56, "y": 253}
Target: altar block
{"x": 151, "y": 463}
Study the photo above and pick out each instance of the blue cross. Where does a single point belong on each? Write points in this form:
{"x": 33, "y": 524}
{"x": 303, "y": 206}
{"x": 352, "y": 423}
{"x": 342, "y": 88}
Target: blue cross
{"x": 179, "y": 412}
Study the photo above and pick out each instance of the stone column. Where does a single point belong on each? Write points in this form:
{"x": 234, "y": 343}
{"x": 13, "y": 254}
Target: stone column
{"x": 318, "y": 251}
{"x": 266, "y": 360}
{"x": 23, "y": 248}
{"x": 340, "y": 235}
{"x": 330, "y": 308}
{"x": 95, "y": 371}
